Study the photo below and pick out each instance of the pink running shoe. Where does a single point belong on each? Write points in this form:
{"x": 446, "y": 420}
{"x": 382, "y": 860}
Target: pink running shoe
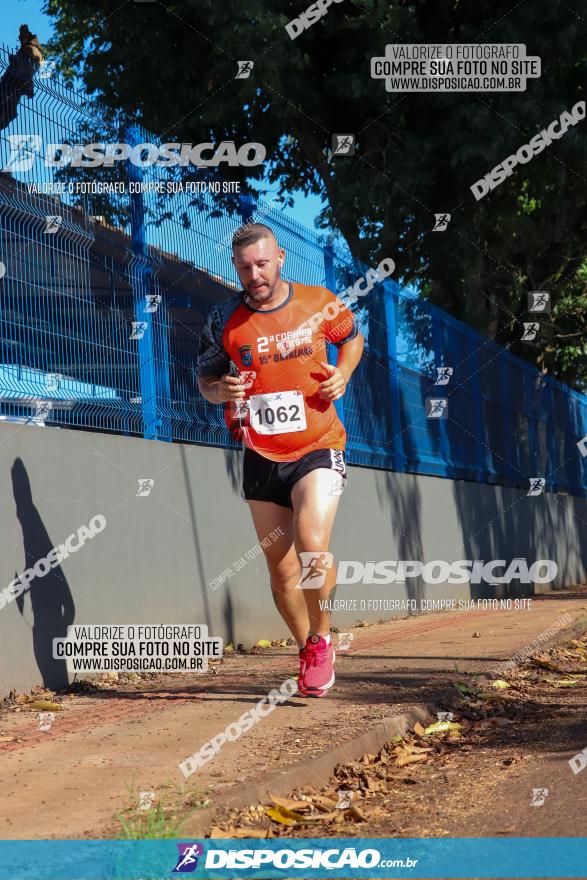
{"x": 316, "y": 675}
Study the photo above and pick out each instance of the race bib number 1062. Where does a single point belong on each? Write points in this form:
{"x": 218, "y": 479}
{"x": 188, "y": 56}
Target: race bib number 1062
{"x": 279, "y": 413}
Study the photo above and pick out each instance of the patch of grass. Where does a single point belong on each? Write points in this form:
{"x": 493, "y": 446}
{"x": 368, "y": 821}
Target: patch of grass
{"x": 147, "y": 824}
{"x": 162, "y": 820}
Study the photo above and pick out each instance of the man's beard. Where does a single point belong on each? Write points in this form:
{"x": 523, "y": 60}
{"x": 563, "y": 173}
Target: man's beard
{"x": 266, "y": 295}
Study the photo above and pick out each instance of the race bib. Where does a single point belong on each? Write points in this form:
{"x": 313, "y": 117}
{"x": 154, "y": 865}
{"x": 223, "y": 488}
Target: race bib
{"x": 279, "y": 413}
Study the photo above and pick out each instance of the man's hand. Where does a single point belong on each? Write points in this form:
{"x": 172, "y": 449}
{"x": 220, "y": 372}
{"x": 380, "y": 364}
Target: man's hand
{"x": 335, "y": 385}
{"x": 222, "y": 390}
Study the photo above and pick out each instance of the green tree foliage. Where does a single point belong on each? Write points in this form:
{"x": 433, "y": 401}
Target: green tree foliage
{"x": 171, "y": 64}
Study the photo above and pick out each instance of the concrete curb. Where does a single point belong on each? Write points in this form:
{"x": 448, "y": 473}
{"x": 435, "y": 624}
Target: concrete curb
{"x": 318, "y": 771}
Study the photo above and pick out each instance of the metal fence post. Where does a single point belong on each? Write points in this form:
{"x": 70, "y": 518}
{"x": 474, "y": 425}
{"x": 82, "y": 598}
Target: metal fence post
{"x": 508, "y": 427}
{"x": 247, "y": 206}
{"x": 330, "y": 283}
{"x": 553, "y": 452}
{"x": 529, "y": 381}
{"x": 153, "y": 352}
{"x": 482, "y": 466}
{"x": 445, "y": 426}
{"x": 389, "y": 306}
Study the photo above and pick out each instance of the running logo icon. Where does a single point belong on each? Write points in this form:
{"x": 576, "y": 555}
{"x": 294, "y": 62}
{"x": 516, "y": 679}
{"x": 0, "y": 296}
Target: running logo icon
{"x": 188, "y": 857}
{"x": 344, "y": 641}
{"x": 314, "y": 568}
{"x": 42, "y": 411}
{"x": 47, "y": 69}
{"x": 443, "y": 375}
{"x": 146, "y": 800}
{"x": 244, "y": 69}
{"x": 248, "y": 377}
{"x": 23, "y": 148}
{"x": 153, "y": 301}
{"x": 536, "y": 486}
{"x": 539, "y": 795}
{"x": 145, "y": 486}
{"x": 337, "y": 484}
{"x": 539, "y": 301}
{"x": 45, "y": 720}
{"x": 531, "y": 329}
{"x": 436, "y": 408}
{"x": 53, "y": 222}
{"x": 345, "y": 798}
{"x": 441, "y": 222}
{"x": 343, "y": 145}
{"x": 138, "y": 329}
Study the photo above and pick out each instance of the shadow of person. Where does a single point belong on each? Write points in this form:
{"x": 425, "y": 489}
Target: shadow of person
{"x": 51, "y": 601}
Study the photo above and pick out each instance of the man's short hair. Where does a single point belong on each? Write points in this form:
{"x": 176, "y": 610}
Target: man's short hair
{"x": 251, "y": 233}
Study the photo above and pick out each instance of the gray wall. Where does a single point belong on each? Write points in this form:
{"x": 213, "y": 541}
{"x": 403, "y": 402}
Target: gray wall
{"x": 157, "y": 554}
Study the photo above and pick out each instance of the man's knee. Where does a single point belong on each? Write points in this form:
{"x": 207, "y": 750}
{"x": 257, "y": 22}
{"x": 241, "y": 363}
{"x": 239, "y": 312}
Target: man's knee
{"x": 313, "y": 539}
{"x": 284, "y": 574}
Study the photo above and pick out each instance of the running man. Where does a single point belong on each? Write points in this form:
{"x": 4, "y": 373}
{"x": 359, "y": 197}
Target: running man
{"x": 263, "y": 354}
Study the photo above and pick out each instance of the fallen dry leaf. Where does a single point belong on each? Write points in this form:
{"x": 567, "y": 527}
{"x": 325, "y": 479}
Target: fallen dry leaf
{"x": 238, "y": 832}
{"x": 410, "y": 759}
{"x": 286, "y": 817}
{"x": 372, "y": 784}
{"x": 441, "y": 727}
{"x": 355, "y": 813}
{"x": 378, "y": 813}
{"x": 44, "y": 706}
{"x": 323, "y": 803}
{"x": 327, "y": 817}
{"x": 289, "y": 803}
{"x": 545, "y": 664}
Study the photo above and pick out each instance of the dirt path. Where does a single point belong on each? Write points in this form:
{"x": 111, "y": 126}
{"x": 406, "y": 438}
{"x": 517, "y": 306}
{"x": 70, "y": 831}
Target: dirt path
{"x": 106, "y": 746}
{"x": 514, "y": 765}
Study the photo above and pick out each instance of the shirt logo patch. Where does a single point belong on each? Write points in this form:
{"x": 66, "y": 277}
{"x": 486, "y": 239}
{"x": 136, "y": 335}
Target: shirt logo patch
{"x": 246, "y": 353}
{"x": 248, "y": 377}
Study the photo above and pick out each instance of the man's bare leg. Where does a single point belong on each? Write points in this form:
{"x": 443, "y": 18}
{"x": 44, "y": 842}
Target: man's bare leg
{"x": 283, "y": 565}
{"x": 314, "y": 511}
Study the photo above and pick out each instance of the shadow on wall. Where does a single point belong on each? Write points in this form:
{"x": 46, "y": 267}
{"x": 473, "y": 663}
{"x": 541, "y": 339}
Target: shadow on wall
{"x": 232, "y": 463}
{"x": 370, "y": 414}
{"x": 403, "y": 500}
{"x": 200, "y": 575}
{"x": 500, "y": 525}
{"x": 233, "y": 467}
{"x": 229, "y": 619}
{"x": 52, "y": 604}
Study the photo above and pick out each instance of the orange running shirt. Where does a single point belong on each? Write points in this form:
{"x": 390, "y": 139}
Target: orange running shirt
{"x": 278, "y": 352}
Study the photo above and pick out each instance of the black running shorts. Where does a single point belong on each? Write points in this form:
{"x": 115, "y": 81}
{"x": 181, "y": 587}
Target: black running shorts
{"x": 266, "y": 480}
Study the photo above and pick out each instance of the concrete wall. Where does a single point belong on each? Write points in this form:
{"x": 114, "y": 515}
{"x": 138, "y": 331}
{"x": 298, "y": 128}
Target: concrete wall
{"x": 153, "y": 561}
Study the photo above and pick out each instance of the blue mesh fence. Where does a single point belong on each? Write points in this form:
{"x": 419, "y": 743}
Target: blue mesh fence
{"x": 103, "y": 299}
